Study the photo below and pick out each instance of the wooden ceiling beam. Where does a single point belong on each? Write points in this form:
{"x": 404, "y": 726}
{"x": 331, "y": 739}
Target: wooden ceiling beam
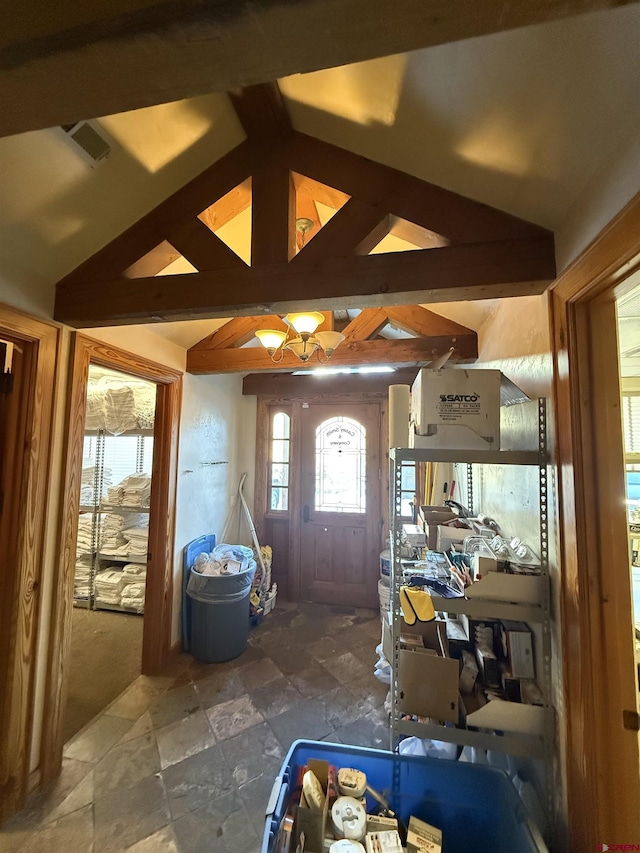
{"x": 421, "y": 321}
{"x": 158, "y": 259}
{"x": 366, "y": 325}
{"x": 273, "y": 213}
{"x": 423, "y": 238}
{"x": 285, "y": 385}
{"x": 377, "y": 352}
{"x": 452, "y": 273}
{"x": 453, "y": 216}
{"x": 150, "y": 231}
{"x": 233, "y": 203}
{"x": 346, "y": 233}
{"x": 136, "y": 53}
{"x": 261, "y": 110}
{"x": 238, "y": 331}
{"x": 317, "y": 191}
{"x": 200, "y": 246}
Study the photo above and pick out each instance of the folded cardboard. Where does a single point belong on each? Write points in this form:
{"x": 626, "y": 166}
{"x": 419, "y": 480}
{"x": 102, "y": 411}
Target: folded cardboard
{"x": 427, "y": 681}
{"x": 508, "y": 717}
{"x": 423, "y": 838}
{"x": 455, "y": 407}
{"x": 428, "y": 685}
{"x": 500, "y": 586}
{"x": 468, "y": 673}
{"x": 517, "y": 647}
{"x": 313, "y": 821}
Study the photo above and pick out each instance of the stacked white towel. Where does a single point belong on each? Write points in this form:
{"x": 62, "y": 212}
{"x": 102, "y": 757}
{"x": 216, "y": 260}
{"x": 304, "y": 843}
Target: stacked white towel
{"x": 132, "y": 597}
{"x": 86, "y": 494}
{"x": 85, "y": 539}
{"x": 89, "y": 474}
{"x": 145, "y": 397}
{"x": 134, "y": 490}
{"x": 138, "y": 540}
{"x": 120, "y": 410}
{"x": 111, "y": 532}
{"x": 82, "y": 577}
{"x": 108, "y": 586}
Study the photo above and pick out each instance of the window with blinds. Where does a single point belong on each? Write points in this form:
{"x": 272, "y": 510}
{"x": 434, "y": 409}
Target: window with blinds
{"x": 631, "y": 418}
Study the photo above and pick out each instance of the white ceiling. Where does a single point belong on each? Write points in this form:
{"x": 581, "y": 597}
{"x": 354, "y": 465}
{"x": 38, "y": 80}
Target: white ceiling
{"x": 521, "y": 120}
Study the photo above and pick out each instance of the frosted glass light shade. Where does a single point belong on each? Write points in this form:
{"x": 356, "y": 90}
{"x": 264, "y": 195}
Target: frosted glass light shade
{"x": 303, "y": 349}
{"x": 305, "y": 323}
{"x": 271, "y": 339}
{"x": 329, "y": 341}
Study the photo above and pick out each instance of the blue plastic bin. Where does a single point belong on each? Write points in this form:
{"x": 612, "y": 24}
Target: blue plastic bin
{"x": 476, "y": 806}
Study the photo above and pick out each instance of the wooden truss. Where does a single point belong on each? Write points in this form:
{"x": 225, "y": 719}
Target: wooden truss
{"x": 223, "y": 351}
{"x": 465, "y": 250}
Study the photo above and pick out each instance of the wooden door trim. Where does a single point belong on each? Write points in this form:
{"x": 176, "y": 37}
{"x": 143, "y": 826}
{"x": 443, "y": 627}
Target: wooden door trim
{"x": 23, "y": 609}
{"x": 600, "y": 753}
{"x": 158, "y": 599}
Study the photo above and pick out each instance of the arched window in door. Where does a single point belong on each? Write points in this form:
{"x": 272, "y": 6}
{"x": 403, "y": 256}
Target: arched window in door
{"x": 341, "y": 470}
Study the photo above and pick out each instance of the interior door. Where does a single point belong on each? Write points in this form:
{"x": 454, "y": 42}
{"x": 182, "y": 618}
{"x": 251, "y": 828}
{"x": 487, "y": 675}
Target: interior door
{"x": 341, "y": 503}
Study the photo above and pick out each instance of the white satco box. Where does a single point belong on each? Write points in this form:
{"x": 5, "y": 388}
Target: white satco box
{"x": 456, "y": 409}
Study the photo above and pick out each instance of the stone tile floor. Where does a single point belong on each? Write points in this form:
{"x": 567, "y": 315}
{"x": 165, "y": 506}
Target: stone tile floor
{"x": 185, "y": 762}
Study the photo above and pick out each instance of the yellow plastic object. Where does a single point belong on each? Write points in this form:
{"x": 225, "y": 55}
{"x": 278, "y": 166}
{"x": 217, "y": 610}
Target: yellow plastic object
{"x": 416, "y": 604}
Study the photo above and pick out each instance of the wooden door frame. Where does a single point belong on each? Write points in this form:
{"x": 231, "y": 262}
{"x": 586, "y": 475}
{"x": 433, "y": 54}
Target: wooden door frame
{"x": 159, "y": 587}
{"x": 23, "y": 609}
{"x": 597, "y": 638}
{"x": 293, "y": 406}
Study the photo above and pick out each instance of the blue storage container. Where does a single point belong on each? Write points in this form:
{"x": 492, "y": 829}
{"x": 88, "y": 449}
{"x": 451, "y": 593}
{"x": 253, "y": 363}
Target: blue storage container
{"x": 476, "y": 806}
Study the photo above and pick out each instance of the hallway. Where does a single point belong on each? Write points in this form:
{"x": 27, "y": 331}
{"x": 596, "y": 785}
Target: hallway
{"x": 185, "y": 762}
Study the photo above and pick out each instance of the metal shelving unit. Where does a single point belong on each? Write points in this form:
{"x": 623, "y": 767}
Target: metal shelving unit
{"x": 99, "y": 507}
{"x": 533, "y": 746}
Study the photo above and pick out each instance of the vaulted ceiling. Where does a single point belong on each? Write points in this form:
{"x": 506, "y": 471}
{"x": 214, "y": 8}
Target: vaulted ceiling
{"x": 522, "y": 120}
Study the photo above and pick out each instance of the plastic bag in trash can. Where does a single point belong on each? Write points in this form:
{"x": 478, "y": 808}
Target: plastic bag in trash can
{"x": 221, "y": 588}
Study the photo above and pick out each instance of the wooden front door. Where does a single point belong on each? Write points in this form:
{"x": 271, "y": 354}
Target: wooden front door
{"x": 340, "y": 489}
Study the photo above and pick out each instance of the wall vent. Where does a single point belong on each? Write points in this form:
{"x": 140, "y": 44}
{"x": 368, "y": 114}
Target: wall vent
{"x": 87, "y": 141}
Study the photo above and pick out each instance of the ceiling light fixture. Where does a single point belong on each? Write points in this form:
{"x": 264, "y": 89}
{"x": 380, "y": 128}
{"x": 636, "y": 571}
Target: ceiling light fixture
{"x": 305, "y": 342}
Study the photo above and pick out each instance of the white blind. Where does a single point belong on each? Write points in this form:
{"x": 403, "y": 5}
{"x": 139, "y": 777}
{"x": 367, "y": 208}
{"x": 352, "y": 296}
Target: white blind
{"x": 631, "y": 416}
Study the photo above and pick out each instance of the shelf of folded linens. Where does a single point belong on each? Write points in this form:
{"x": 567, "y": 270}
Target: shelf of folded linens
{"x": 87, "y": 508}
{"x": 103, "y": 605}
{"x": 140, "y": 559}
{"x": 106, "y": 507}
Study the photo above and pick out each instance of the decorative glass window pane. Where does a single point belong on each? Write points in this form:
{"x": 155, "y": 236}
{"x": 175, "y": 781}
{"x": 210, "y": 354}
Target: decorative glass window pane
{"x": 281, "y": 424}
{"x": 279, "y": 475}
{"x": 279, "y": 462}
{"x": 279, "y": 498}
{"x": 341, "y": 466}
{"x": 280, "y": 450}
{"x": 406, "y": 504}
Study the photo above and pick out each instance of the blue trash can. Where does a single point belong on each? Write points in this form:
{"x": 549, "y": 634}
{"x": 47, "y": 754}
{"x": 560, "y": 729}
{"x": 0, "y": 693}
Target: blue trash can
{"x": 219, "y": 614}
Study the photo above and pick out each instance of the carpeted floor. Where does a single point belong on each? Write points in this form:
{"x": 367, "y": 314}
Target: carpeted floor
{"x": 106, "y": 651}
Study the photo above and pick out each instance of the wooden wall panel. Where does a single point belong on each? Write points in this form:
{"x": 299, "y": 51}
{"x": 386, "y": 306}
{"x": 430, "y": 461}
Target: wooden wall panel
{"x": 20, "y": 605}
{"x": 157, "y": 622}
{"x": 595, "y": 614}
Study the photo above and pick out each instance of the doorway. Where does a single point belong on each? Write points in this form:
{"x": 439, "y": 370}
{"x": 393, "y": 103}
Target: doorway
{"x": 320, "y": 482}
{"x": 600, "y": 674}
{"x": 340, "y": 488}
{"x": 112, "y": 543}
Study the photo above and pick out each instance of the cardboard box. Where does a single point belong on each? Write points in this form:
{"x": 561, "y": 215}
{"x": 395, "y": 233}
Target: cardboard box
{"x": 456, "y": 408}
{"x": 448, "y": 536}
{"x": 432, "y": 636}
{"x": 414, "y": 535}
{"x": 517, "y": 647}
{"x": 488, "y": 666}
{"x": 430, "y": 517}
{"x": 311, "y": 821}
